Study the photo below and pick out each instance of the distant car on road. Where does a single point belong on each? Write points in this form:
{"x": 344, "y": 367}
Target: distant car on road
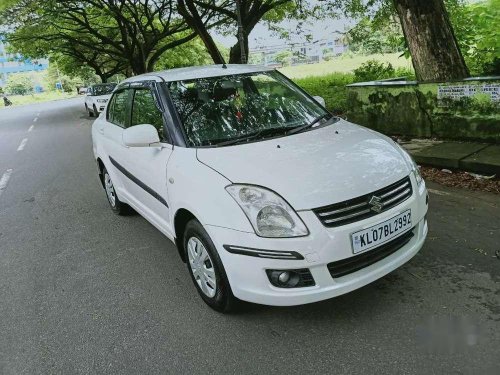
{"x": 97, "y": 97}
{"x": 268, "y": 196}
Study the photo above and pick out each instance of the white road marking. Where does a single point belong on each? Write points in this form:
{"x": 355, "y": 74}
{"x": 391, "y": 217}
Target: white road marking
{"x": 31, "y": 128}
{"x": 35, "y": 119}
{"x": 23, "y": 144}
{"x": 437, "y": 192}
{"x": 4, "y": 180}
{"x": 38, "y": 114}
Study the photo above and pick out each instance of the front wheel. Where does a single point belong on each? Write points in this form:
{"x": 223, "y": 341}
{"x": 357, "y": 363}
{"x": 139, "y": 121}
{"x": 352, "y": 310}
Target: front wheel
{"x": 206, "y": 269}
{"x": 96, "y": 112}
{"x": 89, "y": 112}
{"x": 117, "y": 206}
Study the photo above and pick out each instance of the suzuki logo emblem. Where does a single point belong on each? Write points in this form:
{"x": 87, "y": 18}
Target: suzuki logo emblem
{"x": 376, "y": 204}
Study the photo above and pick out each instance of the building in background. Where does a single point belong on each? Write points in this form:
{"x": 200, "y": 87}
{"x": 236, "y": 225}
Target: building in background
{"x": 303, "y": 52}
{"x": 15, "y": 63}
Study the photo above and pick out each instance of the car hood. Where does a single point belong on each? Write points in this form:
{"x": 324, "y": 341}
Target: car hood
{"x": 107, "y": 96}
{"x": 314, "y": 168}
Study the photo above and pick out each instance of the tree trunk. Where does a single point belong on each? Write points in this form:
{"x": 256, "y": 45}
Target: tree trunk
{"x": 188, "y": 10}
{"x": 210, "y": 45}
{"x": 235, "y": 52}
{"x": 433, "y": 47}
{"x": 138, "y": 66}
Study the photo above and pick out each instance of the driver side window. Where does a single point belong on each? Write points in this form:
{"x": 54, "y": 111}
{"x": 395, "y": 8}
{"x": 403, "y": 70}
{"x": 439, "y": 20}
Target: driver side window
{"x": 145, "y": 111}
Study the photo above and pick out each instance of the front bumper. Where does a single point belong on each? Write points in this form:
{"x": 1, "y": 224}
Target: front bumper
{"x": 247, "y": 274}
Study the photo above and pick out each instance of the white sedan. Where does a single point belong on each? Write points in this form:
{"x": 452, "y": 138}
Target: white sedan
{"x": 97, "y": 97}
{"x": 269, "y": 198}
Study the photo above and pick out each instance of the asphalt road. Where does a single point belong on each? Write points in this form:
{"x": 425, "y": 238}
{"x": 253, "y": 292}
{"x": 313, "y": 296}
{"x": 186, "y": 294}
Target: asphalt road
{"x": 85, "y": 291}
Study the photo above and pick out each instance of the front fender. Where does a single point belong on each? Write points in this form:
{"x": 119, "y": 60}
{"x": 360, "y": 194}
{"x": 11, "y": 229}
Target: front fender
{"x": 201, "y": 190}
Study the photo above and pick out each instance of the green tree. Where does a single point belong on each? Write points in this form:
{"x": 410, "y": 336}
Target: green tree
{"x": 376, "y": 36}
{"x": 54, "y": 75}
{"x": 189, "y": 54}
{"x": 477, "y": 27}
{"x": 426, "y": 28}
{"x": 239, "y": 18}
{"x": 284, "y": 57}
{"x": 256, "y": 58}
{"x": 19, "y": 84}
{"x": 134, "y": 33}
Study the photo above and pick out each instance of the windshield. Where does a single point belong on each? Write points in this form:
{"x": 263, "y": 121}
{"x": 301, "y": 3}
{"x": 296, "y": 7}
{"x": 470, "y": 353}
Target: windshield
{"x": 216, "y": 110}
{"x": 103, "y": 89}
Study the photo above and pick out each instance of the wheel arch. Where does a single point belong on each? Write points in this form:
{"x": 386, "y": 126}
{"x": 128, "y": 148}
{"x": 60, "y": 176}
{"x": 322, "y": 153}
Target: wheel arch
{"x": 100, "y": 166}
{"x": 181, "y": 218}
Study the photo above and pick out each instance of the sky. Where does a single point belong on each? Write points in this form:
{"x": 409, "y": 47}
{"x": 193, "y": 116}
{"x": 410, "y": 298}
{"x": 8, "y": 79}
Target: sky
{"x": 262, "y": 37}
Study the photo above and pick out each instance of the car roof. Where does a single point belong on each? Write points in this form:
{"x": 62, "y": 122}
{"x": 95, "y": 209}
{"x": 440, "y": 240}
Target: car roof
{"x": 104, "y": 84}
{"x": 195, "y": 72}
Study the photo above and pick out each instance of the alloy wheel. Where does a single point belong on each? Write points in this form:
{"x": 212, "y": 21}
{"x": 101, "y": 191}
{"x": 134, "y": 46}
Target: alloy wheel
{"x": 202, "y": 267}
{"x": 110, "y": 190}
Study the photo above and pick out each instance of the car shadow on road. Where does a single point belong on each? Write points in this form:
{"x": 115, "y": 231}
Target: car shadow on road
{"x": 375, "y": 298}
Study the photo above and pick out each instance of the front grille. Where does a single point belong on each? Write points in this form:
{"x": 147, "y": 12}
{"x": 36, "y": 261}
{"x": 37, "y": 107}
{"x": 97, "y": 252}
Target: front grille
{"x": 360, "y": 208}
{"x": 306, "y": 279}
{"x": 346, "y": 266}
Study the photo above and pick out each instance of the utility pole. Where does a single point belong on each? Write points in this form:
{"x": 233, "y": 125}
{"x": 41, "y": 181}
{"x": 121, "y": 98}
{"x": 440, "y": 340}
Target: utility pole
{"x": 240, "y": 33}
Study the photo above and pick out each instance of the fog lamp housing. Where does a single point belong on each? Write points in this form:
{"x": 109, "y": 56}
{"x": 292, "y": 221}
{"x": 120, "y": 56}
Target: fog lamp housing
{"x": 291, "y": 278}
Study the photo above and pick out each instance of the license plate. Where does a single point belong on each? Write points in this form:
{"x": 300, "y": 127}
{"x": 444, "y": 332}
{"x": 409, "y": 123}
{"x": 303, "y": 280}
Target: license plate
{"x": 378, "y": 234}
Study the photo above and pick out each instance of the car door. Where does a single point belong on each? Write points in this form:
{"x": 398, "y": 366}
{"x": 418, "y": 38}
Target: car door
{"x": 146, "y": 167}
{"x": 117, "y": 118}
{"x": 88, "y": 97}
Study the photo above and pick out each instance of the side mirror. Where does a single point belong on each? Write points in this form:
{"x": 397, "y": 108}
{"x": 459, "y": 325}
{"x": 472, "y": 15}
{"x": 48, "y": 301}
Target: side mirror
{"x": 144, "y": 135}
{"x": 320, "y": 100}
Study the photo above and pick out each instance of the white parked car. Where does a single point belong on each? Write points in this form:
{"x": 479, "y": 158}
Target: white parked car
{"x": 97, "y": 97}
{"x": 269, "y": 197}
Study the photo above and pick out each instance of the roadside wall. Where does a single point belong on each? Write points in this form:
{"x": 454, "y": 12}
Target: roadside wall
{"x": 466, "y": 110}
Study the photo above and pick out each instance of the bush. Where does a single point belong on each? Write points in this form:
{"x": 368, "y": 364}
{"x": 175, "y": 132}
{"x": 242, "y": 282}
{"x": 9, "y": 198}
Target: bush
{"x": 52, "y": 76}
{"x": 328, "y": 55}
{"x": 284, "y": 57}
{"x": 19, "y": 84}
{"x": 409, "y": 74}
{"x": 373, "y": 70}
{"x": 332, "y": 87}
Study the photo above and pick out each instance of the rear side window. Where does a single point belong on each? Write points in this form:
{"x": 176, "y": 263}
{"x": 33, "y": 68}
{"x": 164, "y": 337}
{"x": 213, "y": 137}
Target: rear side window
{"x": 117, "y": 110}
{"x": 145, "y": 111}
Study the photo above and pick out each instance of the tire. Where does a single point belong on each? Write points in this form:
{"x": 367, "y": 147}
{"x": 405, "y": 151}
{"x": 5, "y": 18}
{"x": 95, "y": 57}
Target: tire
{"x": 217, "y": 295}
{"x": 116, "y": 205}
{"x": 91, "y": 114}
{"x": 96, "y": 112}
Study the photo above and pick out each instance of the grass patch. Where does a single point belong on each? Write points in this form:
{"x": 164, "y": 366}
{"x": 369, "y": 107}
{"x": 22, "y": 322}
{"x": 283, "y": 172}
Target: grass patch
{"x": 332, "y": 87}
{"x": 328, "y": 79}
{"x": 38, "y": 98}
{"x": 343, "y": 64}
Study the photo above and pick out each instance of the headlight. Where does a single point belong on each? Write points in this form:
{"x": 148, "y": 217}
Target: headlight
{"x": 102, "y": 100}
{"x": 269, "y": 214}
{"x": 414, "y": 167}
{"x": 416, "y": 173}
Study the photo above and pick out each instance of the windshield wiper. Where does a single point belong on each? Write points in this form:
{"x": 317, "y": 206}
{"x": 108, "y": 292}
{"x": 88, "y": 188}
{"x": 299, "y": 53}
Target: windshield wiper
{"x": 271, "y": 131}
{"x": 255, "y": 135}
{"x": 300, "y": 128}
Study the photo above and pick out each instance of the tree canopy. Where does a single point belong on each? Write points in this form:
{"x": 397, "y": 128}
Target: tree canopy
{"x": 239, "y": 18}
{"x": 129, "y": 37}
